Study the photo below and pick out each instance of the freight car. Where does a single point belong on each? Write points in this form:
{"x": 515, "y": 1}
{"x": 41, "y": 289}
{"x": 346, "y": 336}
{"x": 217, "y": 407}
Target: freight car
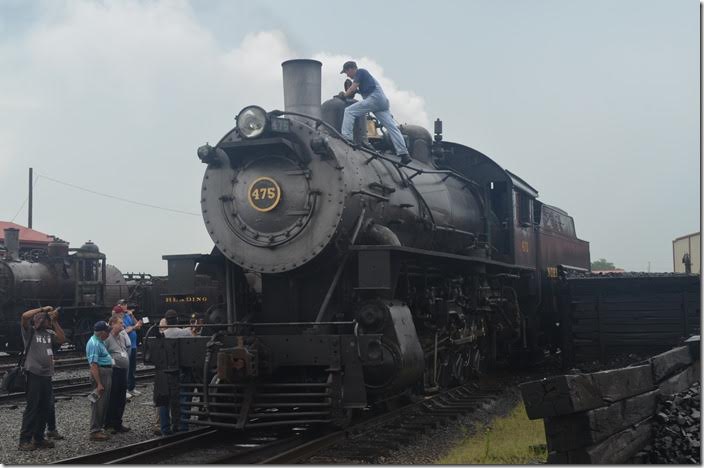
{"x": 378, "y": 279}
{"x": 79, "y": 280}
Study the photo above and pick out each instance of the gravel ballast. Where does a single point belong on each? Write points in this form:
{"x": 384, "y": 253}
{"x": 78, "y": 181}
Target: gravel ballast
{"x": 73, "y": 422}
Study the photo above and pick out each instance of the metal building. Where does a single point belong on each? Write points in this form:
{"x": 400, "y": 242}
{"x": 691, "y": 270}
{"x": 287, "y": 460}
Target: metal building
{"x": 686, "y": 249}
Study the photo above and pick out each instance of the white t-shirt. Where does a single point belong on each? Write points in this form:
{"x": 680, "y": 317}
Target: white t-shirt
{"x": 177, "y": 332}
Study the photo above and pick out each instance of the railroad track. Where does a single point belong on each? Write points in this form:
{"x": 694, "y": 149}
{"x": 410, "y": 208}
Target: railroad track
{"x": 365, "y": 441}
{"x": 63, "y": 386}
{"x": 67, "y": 361}
{"x": 377, "y": 437}
{"x": 60, "y": 364}
{"x": 199, "y": 446}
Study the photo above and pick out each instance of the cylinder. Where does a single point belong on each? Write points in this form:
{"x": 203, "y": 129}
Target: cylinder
{"x": 12, "y": 243}
{"x": 302, "y": 78}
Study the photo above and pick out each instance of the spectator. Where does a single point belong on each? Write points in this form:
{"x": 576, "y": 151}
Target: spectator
{"x": 100, "y": 363}
{"x": 40, "y": 328}
{"x": 170, "y": 413}
{"x": 158, "y": 404}
{"x": 197, "y": 323}
{"x": 131, "y": 326}
{"x": 118, "y": 345}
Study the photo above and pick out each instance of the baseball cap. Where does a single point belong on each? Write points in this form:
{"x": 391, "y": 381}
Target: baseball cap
{"x": 347, "y": 65}
{"x": 100, "y": 326}
{"x": 117, "y": 310}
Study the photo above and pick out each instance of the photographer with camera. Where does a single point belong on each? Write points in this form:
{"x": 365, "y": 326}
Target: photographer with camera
{"x": 40, "y": 329}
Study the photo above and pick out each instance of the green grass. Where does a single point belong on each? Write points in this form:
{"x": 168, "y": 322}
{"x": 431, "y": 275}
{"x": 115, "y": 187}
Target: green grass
{"x": 513, "y": 439}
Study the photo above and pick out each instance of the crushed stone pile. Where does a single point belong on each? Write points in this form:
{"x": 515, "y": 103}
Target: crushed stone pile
{"x": 677, "y": 429}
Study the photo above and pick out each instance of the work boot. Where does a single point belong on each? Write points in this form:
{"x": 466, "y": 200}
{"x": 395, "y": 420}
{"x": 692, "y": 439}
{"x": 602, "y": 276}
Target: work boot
{"x": 368, "y": 146}
{"x": 119, "y": 429}
{"x": 27, "y": 446}
{"x": 44, "y": 444}
{"x": 99, "y": 436}
{"x": 54, "y": 435}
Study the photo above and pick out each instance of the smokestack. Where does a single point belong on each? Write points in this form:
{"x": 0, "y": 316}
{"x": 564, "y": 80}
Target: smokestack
{"x": 12, "y": 243}
{"x": 302, "y": 86}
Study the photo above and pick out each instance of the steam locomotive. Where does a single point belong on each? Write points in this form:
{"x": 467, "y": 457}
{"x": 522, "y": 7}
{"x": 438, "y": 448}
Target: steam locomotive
{"x": 86, "y": 287}
{"x": 374, "y": 280}
{"x": 79, "y": 280}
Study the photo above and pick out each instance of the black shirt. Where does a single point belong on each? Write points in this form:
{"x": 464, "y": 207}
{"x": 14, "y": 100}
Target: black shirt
{"x": 366, "y": 82}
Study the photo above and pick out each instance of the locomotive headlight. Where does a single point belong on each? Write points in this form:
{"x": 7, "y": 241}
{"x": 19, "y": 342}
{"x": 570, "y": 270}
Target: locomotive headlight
{"x": 252, "y": 121}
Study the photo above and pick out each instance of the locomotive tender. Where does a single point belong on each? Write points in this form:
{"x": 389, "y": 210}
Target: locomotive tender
{"x": 377, "y": 279}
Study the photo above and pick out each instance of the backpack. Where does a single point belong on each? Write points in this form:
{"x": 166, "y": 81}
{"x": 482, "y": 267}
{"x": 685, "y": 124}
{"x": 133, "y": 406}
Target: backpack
{"x": 15, "y": 380}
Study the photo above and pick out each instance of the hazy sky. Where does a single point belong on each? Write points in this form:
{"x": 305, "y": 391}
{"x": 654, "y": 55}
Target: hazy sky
{"x": 595, "y": 104}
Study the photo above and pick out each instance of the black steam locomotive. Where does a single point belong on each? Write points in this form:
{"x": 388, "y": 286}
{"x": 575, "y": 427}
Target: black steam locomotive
{"x": 372, "y": 279}
{"x": 77, "y": 279}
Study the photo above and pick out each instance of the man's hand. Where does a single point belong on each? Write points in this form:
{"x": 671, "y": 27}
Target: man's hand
{"x": 138, "y": 325}
{"x": 341, "y": 95}
{"x": 100, "y": 389}
{"x": 53, "y": 314}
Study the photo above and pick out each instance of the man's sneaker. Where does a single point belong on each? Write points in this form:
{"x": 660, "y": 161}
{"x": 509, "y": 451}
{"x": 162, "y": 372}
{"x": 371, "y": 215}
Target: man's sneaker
{"x": 100, "y": 436}
{"x": 135, "y": 392}
{"x": 405, "y": 158}
{"x": 156, "y": 432}
{"x": 128, "y": 395}
{"x": 27, "y": 446}
{"x": 54, "y": 435}
{"x": 44, "y": 444}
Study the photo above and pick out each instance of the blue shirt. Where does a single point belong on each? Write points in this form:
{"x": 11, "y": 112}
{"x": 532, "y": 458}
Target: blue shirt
{"x": 96, "y": 352}
{"x": 367, "y": 83}
{"x": 128, "y": 321}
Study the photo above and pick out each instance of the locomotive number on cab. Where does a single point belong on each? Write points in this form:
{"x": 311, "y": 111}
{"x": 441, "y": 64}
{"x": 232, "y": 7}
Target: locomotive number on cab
{"x": 264, "y": 194}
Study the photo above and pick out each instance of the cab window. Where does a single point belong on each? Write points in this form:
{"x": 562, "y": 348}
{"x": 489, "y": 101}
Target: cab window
{"x": 523, "y": 208}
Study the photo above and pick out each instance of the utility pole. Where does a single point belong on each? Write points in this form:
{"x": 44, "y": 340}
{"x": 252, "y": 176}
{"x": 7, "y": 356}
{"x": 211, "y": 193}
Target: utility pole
{"x": 29, "y": 209}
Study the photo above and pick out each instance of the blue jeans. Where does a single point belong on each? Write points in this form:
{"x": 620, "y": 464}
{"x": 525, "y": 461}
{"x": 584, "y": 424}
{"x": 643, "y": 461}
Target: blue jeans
{"x": 165, "y": 417}
{"x": 379, "y": 104}
{"x": 131, "y": 382}
{"x": 51, "y": 417}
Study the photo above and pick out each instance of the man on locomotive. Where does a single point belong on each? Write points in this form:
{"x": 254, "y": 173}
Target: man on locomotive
{"x": 374, "y": 100}
{"x": 40, "y": 328}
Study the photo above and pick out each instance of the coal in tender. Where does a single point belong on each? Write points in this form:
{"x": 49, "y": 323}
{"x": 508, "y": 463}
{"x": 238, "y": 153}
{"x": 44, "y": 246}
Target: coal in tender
{"x": 676, "y": 429}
